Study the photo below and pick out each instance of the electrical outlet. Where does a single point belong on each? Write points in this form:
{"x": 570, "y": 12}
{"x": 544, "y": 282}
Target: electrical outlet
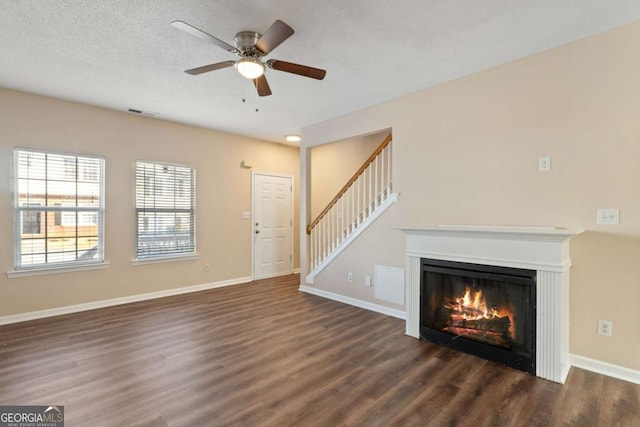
{"x": 349, "y": 277}
{"x": 605, "y": 327}
{"x": 207, "y": 267}
{"x": 367, "y": 281}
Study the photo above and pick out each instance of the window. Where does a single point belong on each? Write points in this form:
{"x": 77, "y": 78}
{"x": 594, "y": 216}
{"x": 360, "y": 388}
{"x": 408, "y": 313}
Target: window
{"x": 165, "y": 207}
{"x": 59, "y": 213}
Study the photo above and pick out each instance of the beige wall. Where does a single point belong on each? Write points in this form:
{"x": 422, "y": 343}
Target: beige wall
{"x": 223, "y": 192}
{"x": 466, "y": 152}
{"x": 332, "y": 165}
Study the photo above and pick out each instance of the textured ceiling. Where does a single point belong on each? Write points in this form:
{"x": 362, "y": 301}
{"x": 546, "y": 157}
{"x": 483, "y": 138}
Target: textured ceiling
{"x": 124, "y": 54}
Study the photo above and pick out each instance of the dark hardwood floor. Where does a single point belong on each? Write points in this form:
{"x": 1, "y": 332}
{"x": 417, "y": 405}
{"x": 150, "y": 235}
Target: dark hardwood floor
{"x": 266, "y": 354}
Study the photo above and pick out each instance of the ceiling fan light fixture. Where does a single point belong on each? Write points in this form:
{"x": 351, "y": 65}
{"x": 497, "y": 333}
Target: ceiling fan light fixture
{"x": 250, "y": 68}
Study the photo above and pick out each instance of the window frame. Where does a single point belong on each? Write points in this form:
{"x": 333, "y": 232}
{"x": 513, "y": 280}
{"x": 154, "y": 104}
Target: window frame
{"x": 60, "y": 266}
{"x": 151, "y": 188}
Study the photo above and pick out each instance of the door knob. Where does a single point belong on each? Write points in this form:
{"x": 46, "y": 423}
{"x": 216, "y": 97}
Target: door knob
{"x": 257, "y": 231}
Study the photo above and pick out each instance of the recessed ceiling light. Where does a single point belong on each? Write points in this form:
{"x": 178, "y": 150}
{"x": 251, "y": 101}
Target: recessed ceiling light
{"x": 293, "y": 138}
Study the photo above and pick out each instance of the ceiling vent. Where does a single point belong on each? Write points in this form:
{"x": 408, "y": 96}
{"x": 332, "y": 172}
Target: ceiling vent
{"x": 142, "y": 113}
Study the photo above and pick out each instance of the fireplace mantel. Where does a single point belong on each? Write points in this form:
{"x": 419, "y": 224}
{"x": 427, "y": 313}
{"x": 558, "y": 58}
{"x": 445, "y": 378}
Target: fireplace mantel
{"x": 516, "y": 232}
{"x": 544, "y": 249}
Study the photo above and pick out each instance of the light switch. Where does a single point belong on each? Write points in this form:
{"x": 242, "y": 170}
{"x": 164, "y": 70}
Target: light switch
{"x": 246, "y": 215}
{"x": 608, "y": 216}
{"x": 544, "y": 164}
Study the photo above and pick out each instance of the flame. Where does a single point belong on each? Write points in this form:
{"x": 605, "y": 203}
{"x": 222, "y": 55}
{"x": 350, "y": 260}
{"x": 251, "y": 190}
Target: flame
{"x": 473, "y": 306}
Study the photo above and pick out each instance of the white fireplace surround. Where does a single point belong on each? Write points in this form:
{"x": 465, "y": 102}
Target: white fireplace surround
{"x": 543, "y": 249}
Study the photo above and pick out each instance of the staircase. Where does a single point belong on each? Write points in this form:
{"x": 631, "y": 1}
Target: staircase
{"x": 362, "y": 199}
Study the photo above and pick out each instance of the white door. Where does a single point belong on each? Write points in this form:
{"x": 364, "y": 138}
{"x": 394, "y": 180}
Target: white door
{"x": 272, "y": 225}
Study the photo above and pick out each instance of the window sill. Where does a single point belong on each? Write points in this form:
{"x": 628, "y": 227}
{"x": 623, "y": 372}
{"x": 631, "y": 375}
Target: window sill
{"x": 53, "y": 270}
{"x": 142, "y": 261}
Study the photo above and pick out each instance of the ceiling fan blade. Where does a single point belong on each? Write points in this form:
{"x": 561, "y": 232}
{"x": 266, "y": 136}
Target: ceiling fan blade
{"x": 276, "y": 34}
{"x": 210, "y": 67}
{"x": 204, "y": 36}
{"x": 301, "y": 70}
{"x": 262, "y": 86}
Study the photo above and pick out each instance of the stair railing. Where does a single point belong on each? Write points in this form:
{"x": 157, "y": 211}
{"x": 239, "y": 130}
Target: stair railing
{"x": 367, "y": 189}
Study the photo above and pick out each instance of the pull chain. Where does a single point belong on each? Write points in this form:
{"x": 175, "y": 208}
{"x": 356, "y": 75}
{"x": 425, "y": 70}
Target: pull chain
{"x": 244, "y": 101}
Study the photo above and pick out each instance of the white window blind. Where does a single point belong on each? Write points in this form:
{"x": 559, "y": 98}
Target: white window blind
{"x": 59, "y": 207}
{"x": 166, "y": 210}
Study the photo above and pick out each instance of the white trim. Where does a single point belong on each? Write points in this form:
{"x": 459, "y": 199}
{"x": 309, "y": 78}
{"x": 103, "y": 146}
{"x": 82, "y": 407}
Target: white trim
{"x": 253, "y": 223}
{"x": 355, "y": 302}
{"x": 155, "y": 260}
{"x": 412, "y": 278}
{"x": 393, "y": 198}
{"x": 280, "y": 175}
{"x": 557, "y": 268}
{"x": 535, "y": 233}
{"x": 33, "y": 315}
{"x": 604, "y": 368}
{"x": 53, "y": 270}
{"x": 564, "y": 372}
{"x": 296, "y": 270}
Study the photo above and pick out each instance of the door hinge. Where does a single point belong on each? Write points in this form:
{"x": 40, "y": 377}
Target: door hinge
{"x": 290, "y": 257}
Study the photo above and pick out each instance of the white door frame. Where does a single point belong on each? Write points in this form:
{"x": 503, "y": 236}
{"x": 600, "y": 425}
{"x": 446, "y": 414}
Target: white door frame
{"x": 253, "y": 219}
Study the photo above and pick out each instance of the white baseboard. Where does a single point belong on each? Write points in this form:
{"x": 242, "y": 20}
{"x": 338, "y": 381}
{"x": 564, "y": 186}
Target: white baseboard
{"x": 605, "y": 368}
{"x": 564, "y": 372}
{"x": 355, "y": 302}
{"x": 33, "y": 315}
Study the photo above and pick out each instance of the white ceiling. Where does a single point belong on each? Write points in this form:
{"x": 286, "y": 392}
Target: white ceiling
{"x": 122, "y": 54}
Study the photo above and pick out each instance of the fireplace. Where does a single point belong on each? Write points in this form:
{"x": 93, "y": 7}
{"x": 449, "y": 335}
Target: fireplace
{"x": 523, "y": 250}
{"x": 485, "y": 310}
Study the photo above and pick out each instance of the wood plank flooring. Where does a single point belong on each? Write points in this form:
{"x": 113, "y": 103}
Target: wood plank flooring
{"x": 265, "y": 354}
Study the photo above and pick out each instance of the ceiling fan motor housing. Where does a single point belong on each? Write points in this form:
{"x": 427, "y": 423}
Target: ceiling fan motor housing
{"x": 246, "y": 40}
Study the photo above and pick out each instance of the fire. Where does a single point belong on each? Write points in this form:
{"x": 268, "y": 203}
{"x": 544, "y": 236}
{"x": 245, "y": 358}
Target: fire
{"x": 472, "y": 306}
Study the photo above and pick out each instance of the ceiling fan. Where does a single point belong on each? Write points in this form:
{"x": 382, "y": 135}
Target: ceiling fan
{"x": 251, "y": 47}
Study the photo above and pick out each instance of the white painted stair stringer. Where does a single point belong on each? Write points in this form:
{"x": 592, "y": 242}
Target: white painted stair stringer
{"x": 393, "y": 198}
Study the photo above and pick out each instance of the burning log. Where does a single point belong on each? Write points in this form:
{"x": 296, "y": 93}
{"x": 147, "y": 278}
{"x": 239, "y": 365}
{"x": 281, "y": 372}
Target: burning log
{"x": 470, "y": 316}
{"x": 498, "y": 325}
{"x": 492, "y": 338}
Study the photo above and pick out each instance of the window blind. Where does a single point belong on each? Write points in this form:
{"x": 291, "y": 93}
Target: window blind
{"x": 59, "y": 207}
{"x": 165, "y": 207}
